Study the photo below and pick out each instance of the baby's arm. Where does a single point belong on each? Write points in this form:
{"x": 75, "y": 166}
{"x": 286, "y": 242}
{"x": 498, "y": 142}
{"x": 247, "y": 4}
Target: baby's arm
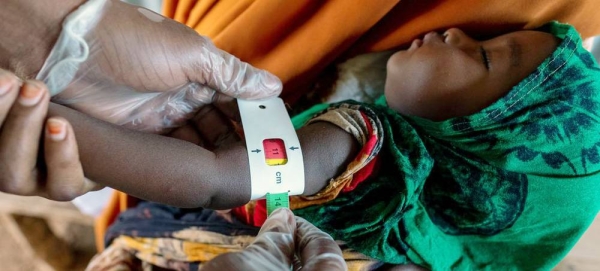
{"x": 179, "y": 173}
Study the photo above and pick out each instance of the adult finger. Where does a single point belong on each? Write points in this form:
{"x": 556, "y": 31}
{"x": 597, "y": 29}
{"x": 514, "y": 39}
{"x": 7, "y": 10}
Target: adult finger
{"x": 228, "y": 106}
{"x": 20, "y": 139}
{"x": 9, "y": 89}
{"x": 65, "y": 179}
{"x": 214, "y": 128}
{"x": 227, "y": 74}
{"x": 317, "y": 250}
{"x": 276, "y": 237}
{"x": 273, "y": 248}
{"x": 188, "y": 133}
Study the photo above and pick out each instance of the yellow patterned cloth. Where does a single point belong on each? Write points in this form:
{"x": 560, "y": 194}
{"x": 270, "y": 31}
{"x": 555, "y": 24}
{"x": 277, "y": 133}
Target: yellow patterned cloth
{"x": 153, "y": 235}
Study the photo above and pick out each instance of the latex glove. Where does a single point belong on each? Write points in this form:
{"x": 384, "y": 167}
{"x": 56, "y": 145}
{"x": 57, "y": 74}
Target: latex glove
{"x": 214, "y": 126}
{"x": 132, "y": 67}
{"x": 284, "y": 241}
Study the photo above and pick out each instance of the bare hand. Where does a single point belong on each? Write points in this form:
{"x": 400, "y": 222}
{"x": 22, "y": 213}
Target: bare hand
{"x": 23, "y": 107}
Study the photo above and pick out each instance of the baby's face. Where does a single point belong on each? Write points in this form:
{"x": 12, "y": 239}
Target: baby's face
{"x": 449, "y": 75}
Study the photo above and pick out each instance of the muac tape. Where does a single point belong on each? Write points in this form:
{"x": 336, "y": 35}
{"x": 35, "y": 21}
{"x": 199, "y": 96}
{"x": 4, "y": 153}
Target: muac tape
{"x": 274, "y": 152}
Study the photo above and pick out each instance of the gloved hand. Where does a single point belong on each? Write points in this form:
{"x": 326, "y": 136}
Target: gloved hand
{"x": 284, "y": 241}
{"x": 132, "y": 67}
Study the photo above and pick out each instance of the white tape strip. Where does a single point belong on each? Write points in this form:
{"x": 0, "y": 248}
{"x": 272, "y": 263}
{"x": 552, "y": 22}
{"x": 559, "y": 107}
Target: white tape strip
{"x": 264, "y": 120}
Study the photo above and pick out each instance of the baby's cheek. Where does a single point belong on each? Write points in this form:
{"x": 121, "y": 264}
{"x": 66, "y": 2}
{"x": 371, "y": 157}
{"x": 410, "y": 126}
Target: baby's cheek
{"x": 393, "y": 99}
{"x": 404, "y": 104}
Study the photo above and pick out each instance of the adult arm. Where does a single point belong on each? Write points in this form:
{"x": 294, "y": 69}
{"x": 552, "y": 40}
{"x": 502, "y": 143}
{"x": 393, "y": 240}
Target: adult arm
{"x": 29, "y": 30}
{"x": 124, "y": 64}
{"x": 126, "y": 80}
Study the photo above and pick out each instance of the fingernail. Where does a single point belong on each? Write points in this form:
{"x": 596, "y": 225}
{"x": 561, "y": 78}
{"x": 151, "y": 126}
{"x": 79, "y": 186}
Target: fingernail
{"x": 31, "y": 94}
{"x": 5, "y": 82}
{"x": 56, "y": 129}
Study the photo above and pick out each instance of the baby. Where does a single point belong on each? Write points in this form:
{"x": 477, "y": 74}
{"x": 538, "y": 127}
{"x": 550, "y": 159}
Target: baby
{"x": 482, "y": 154}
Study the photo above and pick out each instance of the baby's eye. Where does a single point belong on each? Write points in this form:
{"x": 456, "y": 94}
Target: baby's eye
{"x": 484, "y": 57}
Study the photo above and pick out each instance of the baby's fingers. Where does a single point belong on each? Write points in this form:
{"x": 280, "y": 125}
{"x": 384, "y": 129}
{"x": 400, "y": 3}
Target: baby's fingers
{"x": 65, "y": 178}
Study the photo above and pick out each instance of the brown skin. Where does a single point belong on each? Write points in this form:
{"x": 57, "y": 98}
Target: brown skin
{"x": 29, "y": 29}
{"x": 21, "y": 131}
{"x": 445, "y": 81}
{"x": 446, "y": 76}
{"x": 182, "y": 174}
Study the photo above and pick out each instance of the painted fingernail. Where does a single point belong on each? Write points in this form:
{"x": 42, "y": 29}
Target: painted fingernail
{"x": 31, "y": 94}
{"x": 56, "y": 129}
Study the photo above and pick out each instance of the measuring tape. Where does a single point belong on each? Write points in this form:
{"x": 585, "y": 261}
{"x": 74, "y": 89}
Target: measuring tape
{"x": 274, "y": 152}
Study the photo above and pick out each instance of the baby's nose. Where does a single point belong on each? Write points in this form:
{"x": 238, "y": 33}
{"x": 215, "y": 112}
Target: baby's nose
{"x": 458, "y": 38}
{"x": 452, "y": 36}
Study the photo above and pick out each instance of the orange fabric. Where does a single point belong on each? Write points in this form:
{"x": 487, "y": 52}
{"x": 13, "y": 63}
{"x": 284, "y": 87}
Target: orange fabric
{"x": 182, "y": 10}
{"x": 296, "y": 40}
{"x": 119, "y": 202}
{"x": 107, "y": 217}
{"x": 169, "y": 7}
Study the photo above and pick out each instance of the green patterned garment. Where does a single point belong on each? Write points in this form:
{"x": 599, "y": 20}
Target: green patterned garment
{"x": 511, "y": 187}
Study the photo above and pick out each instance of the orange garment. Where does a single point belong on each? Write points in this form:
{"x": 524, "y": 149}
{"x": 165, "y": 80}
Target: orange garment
{"x": 296, "y": 40}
